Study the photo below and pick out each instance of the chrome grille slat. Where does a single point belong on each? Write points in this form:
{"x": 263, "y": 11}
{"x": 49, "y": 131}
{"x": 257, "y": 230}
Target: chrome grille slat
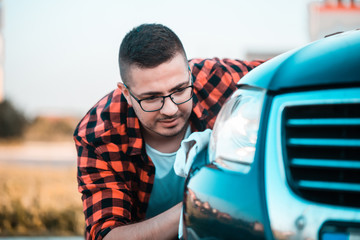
{"x": 324, "y": 122}
{"x": 324, "y": 142}
{"x": 321, "y": 145}
{"x": 324, "y": 163}
{"x": 332, "y": 186}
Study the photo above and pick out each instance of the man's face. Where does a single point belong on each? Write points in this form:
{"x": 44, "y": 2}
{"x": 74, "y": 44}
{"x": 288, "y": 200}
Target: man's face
{"x": 162, "y": 80}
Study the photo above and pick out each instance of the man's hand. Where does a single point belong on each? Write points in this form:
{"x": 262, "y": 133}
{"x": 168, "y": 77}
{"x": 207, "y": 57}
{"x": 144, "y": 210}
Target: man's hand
{"x": 163, "y": 226}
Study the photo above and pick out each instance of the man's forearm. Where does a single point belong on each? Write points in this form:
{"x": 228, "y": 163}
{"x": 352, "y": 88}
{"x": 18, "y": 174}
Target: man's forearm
{"x": 162, "y": 226}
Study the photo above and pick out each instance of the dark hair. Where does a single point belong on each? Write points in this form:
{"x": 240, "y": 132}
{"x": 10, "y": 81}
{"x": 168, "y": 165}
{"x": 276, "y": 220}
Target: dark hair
{"x": 148, "y": 46}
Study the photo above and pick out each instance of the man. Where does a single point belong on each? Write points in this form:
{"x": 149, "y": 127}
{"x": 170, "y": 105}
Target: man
{"x": 127, "y": 142}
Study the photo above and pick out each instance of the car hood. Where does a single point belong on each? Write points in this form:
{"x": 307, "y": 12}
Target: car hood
{"x": 333, "y": 60}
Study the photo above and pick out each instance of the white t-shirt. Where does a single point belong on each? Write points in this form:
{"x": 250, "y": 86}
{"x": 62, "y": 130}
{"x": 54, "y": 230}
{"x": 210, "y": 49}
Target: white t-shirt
{"x": 168, "y": 187}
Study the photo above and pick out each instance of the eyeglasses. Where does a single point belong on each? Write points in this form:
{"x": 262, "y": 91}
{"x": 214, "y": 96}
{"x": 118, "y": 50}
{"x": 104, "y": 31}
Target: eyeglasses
{"x": 156, "y": 103}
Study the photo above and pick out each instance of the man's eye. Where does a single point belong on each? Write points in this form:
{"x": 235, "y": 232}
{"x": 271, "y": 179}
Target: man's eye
{"x": 179, "y": 91}
{"x": 151, "y": 99}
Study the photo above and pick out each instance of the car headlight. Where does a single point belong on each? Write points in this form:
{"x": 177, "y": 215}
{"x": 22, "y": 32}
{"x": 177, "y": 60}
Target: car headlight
{"x": 236, "y": 128}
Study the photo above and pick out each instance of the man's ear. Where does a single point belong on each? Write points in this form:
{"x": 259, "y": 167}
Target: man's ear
{"x": 125, "y": 91}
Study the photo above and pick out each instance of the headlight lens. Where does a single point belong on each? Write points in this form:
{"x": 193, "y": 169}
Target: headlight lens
{"x": 236, "y": 128}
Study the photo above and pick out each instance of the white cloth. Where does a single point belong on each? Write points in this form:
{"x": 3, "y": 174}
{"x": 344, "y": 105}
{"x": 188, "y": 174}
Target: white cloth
{"x": 189, "y": 147}
{"x": 185, "y": 157}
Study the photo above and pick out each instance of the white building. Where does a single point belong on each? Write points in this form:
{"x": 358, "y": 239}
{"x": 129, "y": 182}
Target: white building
{"x": 331, "y": 16}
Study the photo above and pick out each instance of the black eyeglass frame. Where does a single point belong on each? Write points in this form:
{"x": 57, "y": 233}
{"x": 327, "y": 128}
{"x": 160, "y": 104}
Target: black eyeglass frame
{"x": 167, "y": 96}
{"x": 163, "y": 98}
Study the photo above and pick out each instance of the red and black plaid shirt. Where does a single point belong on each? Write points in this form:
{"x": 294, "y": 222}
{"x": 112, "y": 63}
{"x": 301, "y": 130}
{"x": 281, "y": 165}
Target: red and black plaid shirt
{"x": 115, "y": 175}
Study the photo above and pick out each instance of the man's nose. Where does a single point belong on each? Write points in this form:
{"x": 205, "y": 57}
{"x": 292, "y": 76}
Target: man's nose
{"x": 169, "y": 108}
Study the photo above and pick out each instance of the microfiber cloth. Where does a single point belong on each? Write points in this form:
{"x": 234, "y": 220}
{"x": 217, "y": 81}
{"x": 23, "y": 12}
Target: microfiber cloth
{"x": 185, "y": 157}
{"x": 189, "y": 147}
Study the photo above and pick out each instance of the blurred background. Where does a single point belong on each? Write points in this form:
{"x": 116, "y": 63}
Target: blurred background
{"x": 59, "y": 57}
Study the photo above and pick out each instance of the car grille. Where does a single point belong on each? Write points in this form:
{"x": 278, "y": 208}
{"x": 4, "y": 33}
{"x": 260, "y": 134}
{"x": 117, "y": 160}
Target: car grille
{"x": 322, "y": 152}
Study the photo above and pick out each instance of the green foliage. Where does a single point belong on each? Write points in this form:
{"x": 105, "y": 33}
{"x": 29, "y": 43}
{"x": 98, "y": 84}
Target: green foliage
{"x": 12, "y": 122}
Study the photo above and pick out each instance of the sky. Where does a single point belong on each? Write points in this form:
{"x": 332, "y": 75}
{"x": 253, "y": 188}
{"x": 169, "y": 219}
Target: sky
{"x": 60, "y": 56}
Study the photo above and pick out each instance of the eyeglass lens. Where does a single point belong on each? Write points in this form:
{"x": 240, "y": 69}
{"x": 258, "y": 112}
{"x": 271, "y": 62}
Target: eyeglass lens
{"x": 177, "y": 97}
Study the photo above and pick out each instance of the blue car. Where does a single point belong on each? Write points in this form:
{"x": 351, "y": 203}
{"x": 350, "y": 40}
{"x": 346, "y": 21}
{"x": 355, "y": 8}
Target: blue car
{"x": 283, "y": 161}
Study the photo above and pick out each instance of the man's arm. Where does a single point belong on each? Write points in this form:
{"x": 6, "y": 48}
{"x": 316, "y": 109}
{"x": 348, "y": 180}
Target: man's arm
{"x": 107, "y": 199}
{"x": 162, "y": 226}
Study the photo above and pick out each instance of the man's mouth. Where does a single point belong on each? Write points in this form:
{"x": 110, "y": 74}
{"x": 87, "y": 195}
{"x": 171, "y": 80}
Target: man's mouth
{"x": 169, "y": 122}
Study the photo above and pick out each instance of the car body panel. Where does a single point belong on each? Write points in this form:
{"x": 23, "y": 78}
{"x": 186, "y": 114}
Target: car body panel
{"x": 331, "y": 61}
{"x": 222, "y": 202}
{"x": 303, "y": 218}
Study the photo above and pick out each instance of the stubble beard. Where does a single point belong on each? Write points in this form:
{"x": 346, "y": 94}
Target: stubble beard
{"x": 170, "y": 132}
{"x": 156, "y": 130}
